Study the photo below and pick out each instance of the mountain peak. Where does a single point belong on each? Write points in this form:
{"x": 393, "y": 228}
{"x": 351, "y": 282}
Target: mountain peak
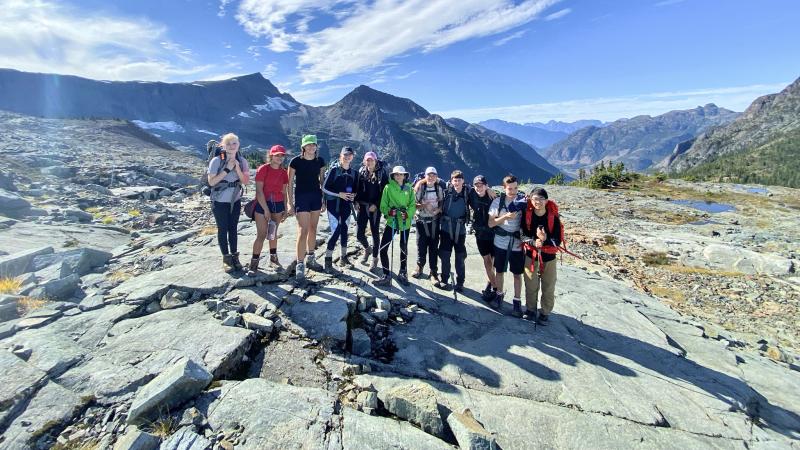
{"x": 397, "y": 109}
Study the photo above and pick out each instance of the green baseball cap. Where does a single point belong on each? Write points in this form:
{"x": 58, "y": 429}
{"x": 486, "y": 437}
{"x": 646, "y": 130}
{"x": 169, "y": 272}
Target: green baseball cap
{"x": 308, "y": 139}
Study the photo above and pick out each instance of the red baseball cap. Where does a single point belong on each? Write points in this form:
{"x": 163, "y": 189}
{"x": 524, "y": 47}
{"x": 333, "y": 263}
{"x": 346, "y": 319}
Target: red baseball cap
{"x": 277, "y": 150}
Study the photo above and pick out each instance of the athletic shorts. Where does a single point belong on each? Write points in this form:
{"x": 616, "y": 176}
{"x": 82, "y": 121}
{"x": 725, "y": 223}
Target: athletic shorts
{"x": 274, "y": 207}
{"x": 516, "y": 261}
{"x": 308, "y": 201}
{"x": 485, "y": 246}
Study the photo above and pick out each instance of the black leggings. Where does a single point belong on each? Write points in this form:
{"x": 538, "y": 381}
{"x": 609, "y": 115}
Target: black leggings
{"x": 427, "y": 243}
{"x": 386, "y": 244}
{"x": 374, "y": 220}
{"x": 227, "y": 219}
{"x": 338, "y": 213}
{"x": 446, "y": 249}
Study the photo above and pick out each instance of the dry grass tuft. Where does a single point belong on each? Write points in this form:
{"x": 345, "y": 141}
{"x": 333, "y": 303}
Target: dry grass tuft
{"x": 119, "y": 275}
{"x": 702, "y": 271}
{"x": 208, "y": 230}
{"x": 655, "y": 259}
{"x": 164, "y": 426}
{"x": 134, "y": 213}
{"x": 9, "y": 285}
{"x": 28, "y": 304}
{"x": 673, "y": 296}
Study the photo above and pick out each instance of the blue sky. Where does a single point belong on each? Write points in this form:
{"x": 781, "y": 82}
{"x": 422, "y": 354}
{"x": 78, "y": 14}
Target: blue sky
{"x": 519, "y": 60}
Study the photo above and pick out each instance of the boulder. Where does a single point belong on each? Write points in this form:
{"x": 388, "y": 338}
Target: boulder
{"x": 19, "y": 380}
{"x": 57, "y": 289}
{"x": 321, "y": 316}
{"x": 98, "y": 189}
{"x": 469, "y": 433}
{"x": 19, "y": 263}
{"x": 12, "y": 204}
{"x": 79, "y": 261}
{"x": 362, "y": 345}
{"x": 51, "y": 408}
{"x": 59, "y": 171}
{"x": 257, "y": 323}
{"x": 6, "y": 182}
{"x": 169, "y": 389}
{"x": 186, "y": 439}
{"x": 77, "y": 214}
{"x": 362, "y": 431}
{"x": 8, "y": 307}
{"x": 135, "y": 439}
{"x": 416, "y": 402}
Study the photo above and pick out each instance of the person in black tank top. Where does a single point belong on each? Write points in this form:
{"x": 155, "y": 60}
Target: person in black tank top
{"x": 305, "y": 201}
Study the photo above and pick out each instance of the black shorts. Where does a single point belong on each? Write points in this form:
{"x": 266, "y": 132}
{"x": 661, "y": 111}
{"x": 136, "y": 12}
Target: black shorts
{"x": 485, "y": 246}
{"x": 516, "y": 261}
{"x": 274, "y": 207}
{"x": 308, "y": 201}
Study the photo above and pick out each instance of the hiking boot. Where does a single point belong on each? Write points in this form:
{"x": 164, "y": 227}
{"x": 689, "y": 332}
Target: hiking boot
{"x": 273, "y": 261}
{"x": 291, "y": 268}
{"x": 517, "y": 311}
{"x": 300, "y": 271}
{"x": 328, "y": 264}
{"x": 252, "y": 268}
{"x": 374, "y": 265}
{"x": 344, "y": 261}
{"x": 417, "y": 273}
{"x": 443, "y": 285}
{"x": 496, "y": 303}
{"x": 367, "y": 254}
{"x": 402, "y": 278}
{"x": 227, "y": 263}
{"x": 384, "y": 281}
{"x": 235, "y": 262}
{"x": 542, "y": 319}
{"x": 311, "y": 263}
{"x": 529, "y": 315}
{"x": 459, "y": 288}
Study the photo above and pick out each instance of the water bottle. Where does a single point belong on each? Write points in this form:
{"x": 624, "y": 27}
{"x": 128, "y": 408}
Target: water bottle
{"x": 272, "y": 228}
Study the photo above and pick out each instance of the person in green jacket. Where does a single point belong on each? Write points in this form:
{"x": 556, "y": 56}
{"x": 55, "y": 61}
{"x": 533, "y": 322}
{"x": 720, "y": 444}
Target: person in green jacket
{"x": 398, "y": 205}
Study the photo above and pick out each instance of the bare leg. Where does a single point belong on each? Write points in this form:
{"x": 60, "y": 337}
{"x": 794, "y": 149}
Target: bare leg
{"x": 303, "y": 219}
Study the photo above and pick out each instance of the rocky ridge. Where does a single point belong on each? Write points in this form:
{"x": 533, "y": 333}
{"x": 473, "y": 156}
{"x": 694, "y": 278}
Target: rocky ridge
{"x": 152, "y": 325}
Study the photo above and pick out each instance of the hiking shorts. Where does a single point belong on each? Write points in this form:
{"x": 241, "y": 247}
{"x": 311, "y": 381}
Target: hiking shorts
{"x": 503, "y": 261}
{"x": 308, "y": 201}
{"x": 274, "y": 207}
{"x": 485, "y": 246}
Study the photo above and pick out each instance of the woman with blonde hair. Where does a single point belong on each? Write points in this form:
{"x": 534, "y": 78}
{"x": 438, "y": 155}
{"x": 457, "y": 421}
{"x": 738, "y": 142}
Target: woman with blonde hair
{"x": 226, "y": 175}
{"x": 306, "y": 172}
{"x": 272, "y": 185}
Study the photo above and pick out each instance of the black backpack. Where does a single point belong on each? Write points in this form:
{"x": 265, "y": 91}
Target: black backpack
{"x": 214, "y": 150}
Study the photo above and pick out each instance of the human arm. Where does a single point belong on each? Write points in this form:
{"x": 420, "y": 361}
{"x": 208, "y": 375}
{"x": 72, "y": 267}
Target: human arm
{"x": 290, "y": 191}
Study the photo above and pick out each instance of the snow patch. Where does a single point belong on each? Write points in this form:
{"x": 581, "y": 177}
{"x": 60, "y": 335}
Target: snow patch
{"x": 195, "y": 84}
{"x": 206, "y": 132}
{"x": 165, "y": 126}
{"x": 244, "y": 115}
{"x": 274, "y": 104}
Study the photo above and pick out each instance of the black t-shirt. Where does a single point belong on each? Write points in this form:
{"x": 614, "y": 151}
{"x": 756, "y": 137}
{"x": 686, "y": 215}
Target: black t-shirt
{"x": 306, "y": 173}
{"x": 553, "y": 236}
{"x": 480, "y": 217}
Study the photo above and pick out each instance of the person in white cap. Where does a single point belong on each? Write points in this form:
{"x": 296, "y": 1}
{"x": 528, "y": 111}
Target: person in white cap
{"x": 429, "y": 193}
{"x": 398, "y": 207}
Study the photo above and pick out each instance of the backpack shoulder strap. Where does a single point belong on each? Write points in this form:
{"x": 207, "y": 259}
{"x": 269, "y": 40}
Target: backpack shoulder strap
{"x": 502, "y": 204}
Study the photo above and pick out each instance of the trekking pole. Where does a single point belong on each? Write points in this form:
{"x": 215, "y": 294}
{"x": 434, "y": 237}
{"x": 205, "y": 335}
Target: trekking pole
{"x": 391, "y": 261}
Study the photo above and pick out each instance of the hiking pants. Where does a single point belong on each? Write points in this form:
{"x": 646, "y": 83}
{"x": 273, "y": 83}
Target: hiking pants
{"x": 547, "y": 281}
{"x": 374, "y": 220}
{"x": 227, "y": 219}
{"x": 428, "y": 243}
{"x": 446, "y": 249}
{"x": 338, "y": 222}
{"x": 386, "y": 244}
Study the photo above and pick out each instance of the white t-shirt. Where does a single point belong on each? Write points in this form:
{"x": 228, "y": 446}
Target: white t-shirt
{"x": 511, "y": 225}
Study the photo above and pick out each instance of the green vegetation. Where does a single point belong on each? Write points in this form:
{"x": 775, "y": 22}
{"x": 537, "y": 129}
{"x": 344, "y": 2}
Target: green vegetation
{"x": 605, "y": 176}
{"x": 774, "y": 163}
{"x": 254, "y": 159}
{"x": 558, "y": 179}
{"x": 655, "y": 259}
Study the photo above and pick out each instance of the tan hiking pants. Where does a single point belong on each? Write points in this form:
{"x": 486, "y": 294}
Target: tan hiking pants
{"x": 547, "y": 280}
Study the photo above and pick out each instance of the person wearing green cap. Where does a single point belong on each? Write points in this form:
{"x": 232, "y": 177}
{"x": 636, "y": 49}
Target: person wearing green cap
{"x": 306, "y": 173}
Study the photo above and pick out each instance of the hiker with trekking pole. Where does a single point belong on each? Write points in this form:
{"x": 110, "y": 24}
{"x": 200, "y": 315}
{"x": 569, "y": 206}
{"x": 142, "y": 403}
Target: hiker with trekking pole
{"x": 505, "y": 216}
{"x": 372, "y": 178}
{"x": 429, "y": 193}
{"x": 398, "y": 204}
{"x": 306, "y": 173}
{"x": 272, "y": 184}
{"x": 453, "y": 232}
{"x": 340, "y": 187}
{"x": 227, "y": 173}
{"x": 543, "y": 235}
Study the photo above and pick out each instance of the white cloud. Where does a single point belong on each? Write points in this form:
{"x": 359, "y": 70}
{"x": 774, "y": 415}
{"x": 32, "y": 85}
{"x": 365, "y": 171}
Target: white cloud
{"x": 510, "y": 37}
{"x": 222, "y": 5}
{"x": 363, "y": 34}
{"x": 558, "y": 14}
{"x": 612, "y": 108}
{"x": 43, "y": 36}
{"x": 270, "y": 70}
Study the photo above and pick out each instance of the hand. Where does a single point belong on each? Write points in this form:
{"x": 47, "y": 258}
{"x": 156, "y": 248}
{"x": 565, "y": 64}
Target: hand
{"x": 322, "y": 210}
{"x": 356, "y": 207}
{"x": 540, "y": 233}
{"x": 231, "y": 163}
{"x": 509, "y": 215}
{"x": 539, "y": 243}
{"x": 284, "y": 215}
{"x": 372, "y": 208}
{"x": 289, "y": 209}
{"x": 491, "y": 193}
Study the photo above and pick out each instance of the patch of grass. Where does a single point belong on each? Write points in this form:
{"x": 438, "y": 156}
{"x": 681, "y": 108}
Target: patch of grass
{"x": 610, "y": 249}
{"x": 208, "y": 230}
{"x": 655, "y": 259}
{"x": 28, "y": 304}
{"x": 119, "y": 275}
{"x": 134, "y": 213}
{"x": 107, "y": 220}
{"x": 9, "y": 285}
{"x": 669, "y": 294}
{"x": 610, "y": 240}
{"x": 93, "y": 209}
{"x": 702, "y": 271}
{"x": 71, "y": 242}
{"x": 92, "y": 444}
{"x": 163, "y": 427}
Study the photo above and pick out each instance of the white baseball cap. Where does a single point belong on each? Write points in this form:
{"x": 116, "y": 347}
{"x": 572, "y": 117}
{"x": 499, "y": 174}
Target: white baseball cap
{"x": 431, "y": 169}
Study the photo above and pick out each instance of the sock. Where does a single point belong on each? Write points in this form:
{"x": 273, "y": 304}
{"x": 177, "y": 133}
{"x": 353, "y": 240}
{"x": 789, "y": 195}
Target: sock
{"x": 256, "y": 256}
{"x": 344, "y": 252}
{"x": 329, "y": 253}
{"x": 273, "y": 251}
{"x": 309, "y": 256}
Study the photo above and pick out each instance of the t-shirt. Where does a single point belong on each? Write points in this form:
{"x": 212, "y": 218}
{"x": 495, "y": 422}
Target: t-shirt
{"x": 228, "y": 194}
{"x": 455, "y": 208}
{"x": 306, "y": 173}
{"x": 274, "y": 180}
{"x": 480, "y": 217}
{"x": 511, "y": 225}
{"x": 430, "y": 201}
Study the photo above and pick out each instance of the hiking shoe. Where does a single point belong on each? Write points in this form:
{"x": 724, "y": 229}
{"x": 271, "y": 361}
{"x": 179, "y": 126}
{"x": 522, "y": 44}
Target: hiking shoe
{"x": 529, "y": 315}
{"x": 237, "y": 265}
{"x": 367, "y": 254}
{"x": 488, "y": 294}
{"x": 384, "y": 281}
{"x": 517, "y": 311}
{"x": 542, "y": 319}
{"x": 417, "y": 273}
{"x": 497, "y": 302}
{"x": 374, "y": 265}
{"x": 459, "y": 288}
{"x": 252, "y": 268}
{"x": 300, "y": 271}
{"x": 328, "y": 264}
{"x": 227, "y": 263}
{"x": 311, "y": 263}
{"x": 273, "y": 261}
{"x": 443, "y": 285}
{"x": 344, "y": 261}
{"x": 402, "y": 278}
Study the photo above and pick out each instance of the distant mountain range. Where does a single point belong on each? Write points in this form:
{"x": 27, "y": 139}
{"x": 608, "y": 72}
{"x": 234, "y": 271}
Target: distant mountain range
{"x": 566, "y": 127}
{"x": 638, "y": 142}
{"x": 186, "y": 115}
{"x": 761, "y": 146}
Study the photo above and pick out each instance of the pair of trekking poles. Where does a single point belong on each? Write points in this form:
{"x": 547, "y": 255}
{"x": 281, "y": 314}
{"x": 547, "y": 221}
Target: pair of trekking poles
{"x": 391, "y": 241}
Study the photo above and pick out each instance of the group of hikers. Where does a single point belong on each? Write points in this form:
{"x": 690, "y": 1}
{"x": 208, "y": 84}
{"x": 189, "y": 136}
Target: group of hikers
{"x": 513, "y": 231}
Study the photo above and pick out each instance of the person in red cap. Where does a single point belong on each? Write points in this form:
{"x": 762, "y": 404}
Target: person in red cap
{"x": 272, "y": 183}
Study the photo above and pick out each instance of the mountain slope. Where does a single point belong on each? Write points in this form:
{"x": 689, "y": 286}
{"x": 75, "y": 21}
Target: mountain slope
{"x": 638, "y": 142}
{"x": 566, "y": 127}
{"x": 769, "y": 119}
{"x": 534, "y": 136}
